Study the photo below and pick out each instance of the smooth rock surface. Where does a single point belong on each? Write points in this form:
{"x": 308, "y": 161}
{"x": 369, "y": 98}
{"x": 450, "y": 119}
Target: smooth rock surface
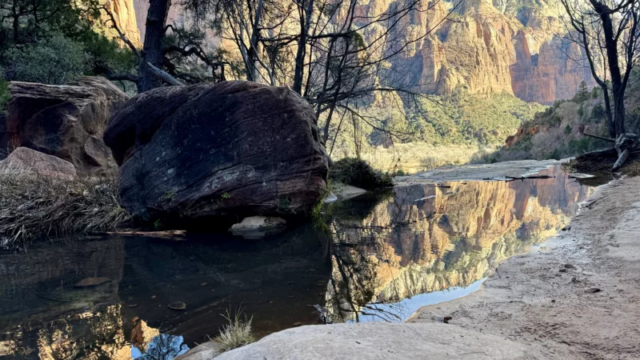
{"x": 204, "y": 351}
{"x": 26, "y": 161}
{"x": 233, "y": 149}
{"x": 256, "y": 227}
{"x": 66, "y": 121}
{"x": 379, "y": 341}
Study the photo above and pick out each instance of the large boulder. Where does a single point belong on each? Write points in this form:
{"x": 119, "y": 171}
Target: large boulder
{"x": 233, "y": 149}
{"x": 4, "y": 136}
{"x": 26, "y": 161}
{"x": 66, "y": 121}
{"x": 375, "y": 341}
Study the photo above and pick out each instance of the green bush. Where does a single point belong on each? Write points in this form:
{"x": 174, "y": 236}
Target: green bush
{"x": 56, "y": 61}
{"x": 4, "y": 92}
{"x": 358, "y": 173}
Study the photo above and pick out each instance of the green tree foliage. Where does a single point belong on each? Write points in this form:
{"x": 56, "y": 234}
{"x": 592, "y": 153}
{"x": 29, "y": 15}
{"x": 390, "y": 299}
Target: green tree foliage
{"x": 57, "y": 60}
{"x": 54, "y": 41}
{"x": 463, "y": 118}
{"x": 582, "y": 94}
{"x": 4, "y": 92}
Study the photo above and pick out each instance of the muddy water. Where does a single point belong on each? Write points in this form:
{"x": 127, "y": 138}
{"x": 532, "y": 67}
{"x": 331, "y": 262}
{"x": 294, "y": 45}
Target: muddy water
{"x": 375, "y": 258}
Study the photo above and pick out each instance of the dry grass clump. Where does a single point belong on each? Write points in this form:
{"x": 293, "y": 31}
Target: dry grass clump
{"x": 236, "y": 333}
{"x": 33, "y": 207}
{"x": 632, "y": 168}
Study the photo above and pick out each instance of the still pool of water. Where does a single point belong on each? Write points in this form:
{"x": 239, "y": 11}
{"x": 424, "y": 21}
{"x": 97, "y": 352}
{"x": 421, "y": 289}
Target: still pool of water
{"x": 378, "y": 257}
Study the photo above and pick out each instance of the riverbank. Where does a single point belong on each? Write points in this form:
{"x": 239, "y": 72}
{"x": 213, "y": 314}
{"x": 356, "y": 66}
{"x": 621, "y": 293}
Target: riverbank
{"x": 573, "y": 297}
{"x": 577, "y": 295}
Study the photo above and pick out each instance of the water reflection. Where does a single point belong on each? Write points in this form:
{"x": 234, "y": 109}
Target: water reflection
{"x": 387, "y": 254}
{"x": 428, "y": 238}
{"x": 45, "y": 315}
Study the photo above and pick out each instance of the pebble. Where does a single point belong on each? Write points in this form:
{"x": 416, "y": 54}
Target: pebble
{"x": 177, "y": 305}
{"x": 592, "y": 291}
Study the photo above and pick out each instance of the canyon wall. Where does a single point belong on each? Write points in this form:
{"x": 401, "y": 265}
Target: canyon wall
{"x": 125, "y": 15}
{"x": 486, "y": 51}
{"x": 511, "y": 47}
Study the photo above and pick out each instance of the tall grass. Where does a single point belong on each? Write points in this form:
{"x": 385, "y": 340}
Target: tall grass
{"x": 236, "y": 333}
{"x": 33, "y": 207}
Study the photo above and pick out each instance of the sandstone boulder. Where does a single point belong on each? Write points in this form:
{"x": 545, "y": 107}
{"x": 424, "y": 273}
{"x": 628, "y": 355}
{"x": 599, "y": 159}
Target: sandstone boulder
{"x": 66, "y": 121}
{"x": 26, "y": 161}
{"x": 233, "y": 149}
{"x": 4, "y": 138}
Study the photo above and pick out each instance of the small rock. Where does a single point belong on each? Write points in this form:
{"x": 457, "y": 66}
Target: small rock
{"x": 177, "y": 305}
{"x": 132, "y": 305}
{"x": 569, "y": 266}
{"x": 153, "y": 297}
{"x": 562, "y": 270}
{"x": 203, "y": 284}
{"x": 447, "y": 319}
{"x": 592, "y": 291}
{"x": 553, "y": 301}
{"x": 257, "y": 227}
{"x": 566, "y": 228}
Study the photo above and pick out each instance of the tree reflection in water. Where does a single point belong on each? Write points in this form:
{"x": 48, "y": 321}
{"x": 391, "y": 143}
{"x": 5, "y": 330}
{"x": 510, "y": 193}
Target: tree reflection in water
{"x": 162, "y": 347}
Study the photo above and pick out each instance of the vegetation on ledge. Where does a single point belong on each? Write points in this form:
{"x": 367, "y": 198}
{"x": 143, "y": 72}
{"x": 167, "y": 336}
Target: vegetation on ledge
{"x": 358, "y": 173}
{"x": 33, "y": 207}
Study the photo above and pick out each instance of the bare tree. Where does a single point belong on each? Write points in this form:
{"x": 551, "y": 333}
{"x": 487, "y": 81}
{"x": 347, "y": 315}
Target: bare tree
{"x": 325, "y": 50}
{"x": 158, "y": 53}
{"x": 608, "y": 32}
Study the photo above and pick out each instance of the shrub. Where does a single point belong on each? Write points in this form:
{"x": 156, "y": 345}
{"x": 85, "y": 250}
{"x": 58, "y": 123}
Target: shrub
{"x": 236, "y": 333}
{"x": 57, "y": 61}
{"x": 4, "y": 91}
{"x": 358, "y": 173}
{"x": 33, "y": 207}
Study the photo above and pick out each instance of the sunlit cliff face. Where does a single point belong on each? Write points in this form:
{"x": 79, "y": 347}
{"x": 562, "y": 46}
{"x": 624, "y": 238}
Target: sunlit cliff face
{"x": 426, "y": 238}
{"x": 510, "y": 47}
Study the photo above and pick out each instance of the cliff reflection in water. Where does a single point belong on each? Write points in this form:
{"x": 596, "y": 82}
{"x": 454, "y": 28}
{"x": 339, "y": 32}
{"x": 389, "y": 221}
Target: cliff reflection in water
{"x": 426, "y": 238}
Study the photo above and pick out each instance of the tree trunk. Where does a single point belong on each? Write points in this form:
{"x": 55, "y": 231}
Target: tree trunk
{"x": 617, "y": 87}
{"x": 302, "y": 47}
{"x": 152, "y": 51}
{"x": 607, "y": 104}
{"x": 252, "y": 54}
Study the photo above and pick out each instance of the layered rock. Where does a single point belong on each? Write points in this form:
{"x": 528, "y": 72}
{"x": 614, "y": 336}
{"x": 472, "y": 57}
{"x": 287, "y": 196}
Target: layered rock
{"x": 66, "y": 121}
{"x": 555, "y": 72}
{"x": 485, "y": 49}
{"x": 232, "y": 149}
{"x": 125, "y": 16}
{"x": 26, "y": 161}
